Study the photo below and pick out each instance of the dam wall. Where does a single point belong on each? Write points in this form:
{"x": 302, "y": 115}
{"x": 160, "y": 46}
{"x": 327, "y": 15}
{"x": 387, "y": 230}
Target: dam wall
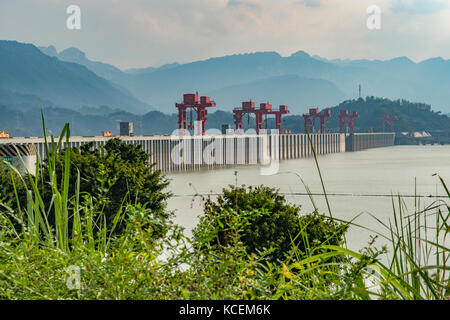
{"x": 363, "y": 141}
{"x": 187, "y": 153}
{"x": 297, "y": 146}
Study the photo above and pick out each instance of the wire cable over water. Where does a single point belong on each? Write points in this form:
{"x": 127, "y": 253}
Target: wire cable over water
{"x": 328, "y": 194}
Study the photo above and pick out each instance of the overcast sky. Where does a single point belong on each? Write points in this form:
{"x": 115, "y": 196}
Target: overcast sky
{"x": 141, "y": 33}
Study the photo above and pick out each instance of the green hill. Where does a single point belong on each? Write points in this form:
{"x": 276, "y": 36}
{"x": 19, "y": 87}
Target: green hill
{"x": 411, "y": 116}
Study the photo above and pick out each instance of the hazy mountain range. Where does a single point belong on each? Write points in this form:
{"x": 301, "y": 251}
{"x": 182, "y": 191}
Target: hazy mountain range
{"x": 300, "y": 80}
{"x": 24, "y": 69}
{"x": 31, "y": 77}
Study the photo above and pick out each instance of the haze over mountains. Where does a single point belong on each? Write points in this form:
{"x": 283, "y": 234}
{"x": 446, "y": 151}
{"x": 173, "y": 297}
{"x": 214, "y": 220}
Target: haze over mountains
{"x": 300, "y": 80}
{"x": 69, "y": 79}
{"x": 24, "y": 69}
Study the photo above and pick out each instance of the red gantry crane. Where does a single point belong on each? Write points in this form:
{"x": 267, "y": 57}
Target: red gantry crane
{"x": 346, "y": 118}
{"x": 265, "y": 108}
{"x": 247, "y": 108}
{"x": 390, "y": 120}
{"x": 200, "y": 107}
{"x": 312, "y": 115}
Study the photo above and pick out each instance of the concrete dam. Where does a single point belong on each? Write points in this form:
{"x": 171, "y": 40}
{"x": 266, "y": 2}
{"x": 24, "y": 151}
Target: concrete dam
{"x": 188, "y": 153}
{"x": 362, "y": 141}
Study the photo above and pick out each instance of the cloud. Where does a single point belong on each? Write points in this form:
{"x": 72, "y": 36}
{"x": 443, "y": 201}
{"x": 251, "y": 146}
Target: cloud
{"x": 137, "y": 33}
{"x": 417, "y": 7}
{"x": 251, "y": 4}
{"x": 311, "y": 3}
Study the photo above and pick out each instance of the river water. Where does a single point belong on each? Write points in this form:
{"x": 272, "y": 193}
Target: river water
{"x": 357, "y": 182}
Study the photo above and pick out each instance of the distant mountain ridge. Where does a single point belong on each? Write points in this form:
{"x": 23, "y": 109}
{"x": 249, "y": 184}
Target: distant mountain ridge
{"x": 285, "y": 89}
{"x": 24, "y": 69}
{"x": 152, "y": 69}
{"x": 104, "y": 70}
{"x": 94, "y": 96}
{"x": 398, "y": 78}
{"x": 250, "y": 71}
{"x": 162, "y": 87}
{"x": 262, "y": 76}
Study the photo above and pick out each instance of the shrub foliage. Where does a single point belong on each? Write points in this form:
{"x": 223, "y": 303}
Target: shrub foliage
{"x": 265, "y": 223}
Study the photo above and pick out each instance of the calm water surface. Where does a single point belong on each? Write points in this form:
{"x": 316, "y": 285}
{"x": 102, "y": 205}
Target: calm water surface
{"x": 359, "y": 178}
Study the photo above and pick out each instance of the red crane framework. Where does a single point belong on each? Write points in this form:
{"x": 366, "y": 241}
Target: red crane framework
{"x": 346, "y": 118}
{"x": 390, "y": 120}
{"x": 312, "y": 115}
{"x": 265, "y": 108}
{"x": 200, "y": 107}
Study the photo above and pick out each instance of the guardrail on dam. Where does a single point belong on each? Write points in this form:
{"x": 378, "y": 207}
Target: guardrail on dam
{"x": 186, "y": 153}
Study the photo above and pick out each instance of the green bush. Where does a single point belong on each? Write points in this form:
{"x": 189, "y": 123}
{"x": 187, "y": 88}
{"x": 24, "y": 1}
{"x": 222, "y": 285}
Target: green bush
{"x": 264, "y": 223}
{"x": 119, "y": 171}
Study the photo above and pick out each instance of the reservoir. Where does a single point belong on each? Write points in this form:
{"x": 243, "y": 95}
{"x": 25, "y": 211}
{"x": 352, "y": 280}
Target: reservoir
{"x": 357, "y": 183}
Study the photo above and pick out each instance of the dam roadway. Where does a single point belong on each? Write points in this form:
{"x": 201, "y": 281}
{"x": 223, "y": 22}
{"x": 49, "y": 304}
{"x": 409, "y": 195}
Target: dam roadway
{"x": 188, "y": 153}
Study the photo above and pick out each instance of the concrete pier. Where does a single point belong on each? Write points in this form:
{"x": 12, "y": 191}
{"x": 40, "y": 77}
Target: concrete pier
{"x": 187, "y": 153}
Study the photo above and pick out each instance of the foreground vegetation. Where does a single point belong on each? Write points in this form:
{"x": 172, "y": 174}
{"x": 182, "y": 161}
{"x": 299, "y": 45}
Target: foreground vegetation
{"x": 103, "y": 213}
